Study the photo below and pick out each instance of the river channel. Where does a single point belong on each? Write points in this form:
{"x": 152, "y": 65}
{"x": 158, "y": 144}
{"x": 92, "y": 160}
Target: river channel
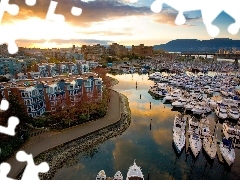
{"x": 150, "y": 145}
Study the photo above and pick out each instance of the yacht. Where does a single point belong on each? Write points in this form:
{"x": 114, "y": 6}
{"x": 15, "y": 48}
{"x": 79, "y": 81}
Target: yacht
{"x": 210, "y": 146}
{"x": 233, "y": 112}
{"x": 154, "y": 75}
{"x": 221, "y": 112}
{"x": 230, "y": 131}
{"x": 190, "y": 105}
{"x": 200, "y": 109}
{"x": 179, "y": 103}
{"x": 179, "y": 137}
{"x": 227, "y": 151}
{"x": 101, "y": 175}
{"x": 204, "y": 127}
{"x": 134, "y": 173}
{"x": 195, "y": 143}
{"x": 118, "y": 176}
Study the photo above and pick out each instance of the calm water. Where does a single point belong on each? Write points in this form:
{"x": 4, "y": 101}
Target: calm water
{"x": 152, "y": 149}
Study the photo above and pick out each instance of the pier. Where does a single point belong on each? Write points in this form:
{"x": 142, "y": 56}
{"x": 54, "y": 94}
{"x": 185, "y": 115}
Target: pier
{"x": 219, "y": 155}
{"x": 223, "y": 56}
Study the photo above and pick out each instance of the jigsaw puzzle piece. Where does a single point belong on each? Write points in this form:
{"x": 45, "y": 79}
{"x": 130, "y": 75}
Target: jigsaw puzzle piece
{"x": 76, "y": 11}
{"x": 232, "y": 9}
{"x": 4, "y": 170}
{"x": 4, "y": 105}
{"x": 189, "y": 5}
{"x": 209, "y": 14}
{"x": 30, "y": 2}
{"x": 12, "y": 123}
{"x": 12, "y": 9}
{"x": 31, "y": 171}
{"x": 51, "y": 13}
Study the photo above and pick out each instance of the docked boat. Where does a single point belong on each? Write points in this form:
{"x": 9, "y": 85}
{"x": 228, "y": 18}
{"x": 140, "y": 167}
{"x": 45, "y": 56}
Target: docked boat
{"x": 210, "y": 146}
{"x": 195, "y": 143}
{"x": 230, "y": 131}
{"x": 179, "y": 103}
{"x": 179, "y": 137}
{"x": 221, "y": 112}
{"x": 134, "y": 173}
{"x": 101, "y": 175}
{"x": 173, "y": 96}
{"x": 201, "y": 109}
{"x": 204, "y": 127}
{"x": 227, "y": 151}
{"x": 190, "y": 105}
{"x": 233, "y": 112}
{"x": 118, "y": 176}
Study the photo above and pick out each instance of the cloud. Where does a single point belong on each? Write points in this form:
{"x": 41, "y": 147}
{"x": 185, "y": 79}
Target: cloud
{"x": 92, "y": 11}
{"x": 27, "y": 43}
{"x": 108, "y": 33}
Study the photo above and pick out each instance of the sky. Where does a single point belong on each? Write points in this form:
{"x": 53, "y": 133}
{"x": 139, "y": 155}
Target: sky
{"x": 104, "y": 22}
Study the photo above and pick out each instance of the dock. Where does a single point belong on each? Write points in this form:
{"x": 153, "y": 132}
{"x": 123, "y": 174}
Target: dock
{"x": 219, "y": 155}
{"x": 187, "y": 137}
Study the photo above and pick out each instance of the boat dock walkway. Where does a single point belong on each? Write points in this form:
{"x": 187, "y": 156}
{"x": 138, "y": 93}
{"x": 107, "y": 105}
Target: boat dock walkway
{"x": 219, "y": 155}
{"x": 187, "y": 138}
{"x": 38, "y": 144}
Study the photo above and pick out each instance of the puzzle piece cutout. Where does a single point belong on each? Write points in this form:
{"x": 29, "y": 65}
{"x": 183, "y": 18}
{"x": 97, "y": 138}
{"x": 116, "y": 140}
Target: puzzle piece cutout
{"x": 12, "y": 121}
{"x": 58, "y": 17}
{"x": 31, "y": 171}
{"x": 4, "y": 170}
{"x": 4, "y": 105}
{"x": 12, "y": 9}
{"x": 10, "y": 130}
{"x": 210, "y": 10}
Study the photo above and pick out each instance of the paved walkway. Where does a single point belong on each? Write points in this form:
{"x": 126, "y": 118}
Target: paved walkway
{"x": 38, "y": 144}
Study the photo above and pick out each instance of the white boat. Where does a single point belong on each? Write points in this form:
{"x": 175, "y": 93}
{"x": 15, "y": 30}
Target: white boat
{"x": 227, "y": 151}
{"x": 193, "y": 125}
{"x": 101, "y": 175}
{"x": 195, "y": 143}
{"x": 179, "y": 137}
{"x": 134, "y": 173}
{"x": 204, "y": 127}
{"x": 230, "y": 131}
{"x": 233, "y": 112}
{"x": 210, "y": 146}
{"x": 200, "y": 109}
{"x": 173, "y": 96}
{"x": 221, "y": 112}
{"x": 190, "y": 105}
{"x": 154, "y": 75}
{"x": 118, "y": 176}
{"x": 181, "y": 102}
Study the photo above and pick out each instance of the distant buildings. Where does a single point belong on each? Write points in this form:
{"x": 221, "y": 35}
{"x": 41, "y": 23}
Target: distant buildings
{"x": 93, "y": 52}
{"x": 12, "y": 66}
{"x": 117, "y": 50}
{"x": 142, "y": 51}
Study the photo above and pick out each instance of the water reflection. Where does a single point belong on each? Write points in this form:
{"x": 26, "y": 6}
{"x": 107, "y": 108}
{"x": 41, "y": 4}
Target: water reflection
{"x": 152, "y": 149}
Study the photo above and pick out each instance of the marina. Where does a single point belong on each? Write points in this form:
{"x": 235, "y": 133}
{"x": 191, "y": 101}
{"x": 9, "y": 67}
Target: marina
{"x": 153, "y": 146}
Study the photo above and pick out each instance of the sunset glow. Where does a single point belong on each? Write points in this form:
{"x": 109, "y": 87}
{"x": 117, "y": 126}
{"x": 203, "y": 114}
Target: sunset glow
{"x": 105, "y": 22}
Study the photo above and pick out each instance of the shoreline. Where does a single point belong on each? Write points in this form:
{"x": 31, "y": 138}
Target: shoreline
{"x": 59, "y": 156}
{"x": 50, "y": 140}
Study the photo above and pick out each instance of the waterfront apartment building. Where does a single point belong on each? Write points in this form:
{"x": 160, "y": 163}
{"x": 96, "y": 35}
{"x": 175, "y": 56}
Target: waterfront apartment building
{"x": 12, "y": 66}
{"x": 117, "y": 50}
{"x": 93, "y": 52}
{"x": 142, "y": 51}
{"x": 49, "y": 94}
